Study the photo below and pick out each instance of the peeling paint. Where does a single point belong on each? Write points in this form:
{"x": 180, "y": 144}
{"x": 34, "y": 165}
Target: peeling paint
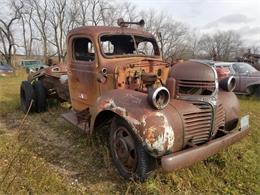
{"x": 122, "y": 111}
{"x": 152, "y": 128}
{"x": 158, "y": 133}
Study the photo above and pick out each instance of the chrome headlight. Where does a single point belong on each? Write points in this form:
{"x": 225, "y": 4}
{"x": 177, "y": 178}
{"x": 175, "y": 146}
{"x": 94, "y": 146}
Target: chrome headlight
{"x": 158, "y": 97}
{"x": 228, "y": 83}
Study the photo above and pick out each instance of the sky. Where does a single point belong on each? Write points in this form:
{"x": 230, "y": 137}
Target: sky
{"x": 209, "y": 16}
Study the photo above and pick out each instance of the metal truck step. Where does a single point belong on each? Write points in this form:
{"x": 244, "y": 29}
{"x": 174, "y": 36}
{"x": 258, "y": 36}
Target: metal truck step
{"x": 71, "y": 117}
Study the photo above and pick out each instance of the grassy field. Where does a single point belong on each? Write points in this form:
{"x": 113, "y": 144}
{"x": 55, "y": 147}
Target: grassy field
{"x": 47, "y": 155}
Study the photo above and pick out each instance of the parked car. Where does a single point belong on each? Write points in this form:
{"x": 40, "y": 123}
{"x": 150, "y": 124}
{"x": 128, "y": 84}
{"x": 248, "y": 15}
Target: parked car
{"x": 247, "y": 77}
{"x": 6, "y": 69}
{"x": 32, "y": 65}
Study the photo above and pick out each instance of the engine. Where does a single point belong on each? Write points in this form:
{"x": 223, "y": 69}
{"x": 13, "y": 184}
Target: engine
{"x": 147, "y": 77}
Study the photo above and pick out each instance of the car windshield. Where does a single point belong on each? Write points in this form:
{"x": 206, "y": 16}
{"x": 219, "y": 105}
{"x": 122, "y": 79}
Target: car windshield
{"x": 244, "y": 68}
{"x": 28, "y": 63}
{"x": 128, "y": 45}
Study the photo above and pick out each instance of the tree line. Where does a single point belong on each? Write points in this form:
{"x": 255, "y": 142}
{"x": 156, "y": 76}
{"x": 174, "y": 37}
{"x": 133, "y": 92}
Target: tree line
{"x": 40, "y": 27}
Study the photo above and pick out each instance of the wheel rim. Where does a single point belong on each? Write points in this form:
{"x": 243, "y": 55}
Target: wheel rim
{"x": 124, "y": 149}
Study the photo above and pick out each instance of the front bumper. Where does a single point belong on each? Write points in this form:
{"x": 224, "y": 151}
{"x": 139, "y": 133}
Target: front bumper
{"x": 186, "y": 158}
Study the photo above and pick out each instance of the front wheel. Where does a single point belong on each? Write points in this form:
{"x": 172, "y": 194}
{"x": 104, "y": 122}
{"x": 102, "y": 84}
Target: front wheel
{"x": 128, "y": 154}
{"x": 257, "y": 91}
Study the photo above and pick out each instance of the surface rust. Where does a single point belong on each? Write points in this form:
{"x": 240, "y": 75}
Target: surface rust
{"x": 123, "y": 92}
{"x": 115, "y": 85}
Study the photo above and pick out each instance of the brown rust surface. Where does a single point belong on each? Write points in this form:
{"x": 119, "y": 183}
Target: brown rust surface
{"x": 123, "y": 92}
{"x": 193, "y": 71}
{"x": 151, "y": 126}
{"x": 95, "y": 31}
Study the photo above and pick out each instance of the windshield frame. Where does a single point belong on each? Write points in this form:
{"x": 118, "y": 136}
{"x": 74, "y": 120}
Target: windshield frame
{"x": 128, "y": 55}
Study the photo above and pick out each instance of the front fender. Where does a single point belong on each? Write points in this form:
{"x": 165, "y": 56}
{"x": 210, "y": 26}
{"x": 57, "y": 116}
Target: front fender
{"x": 151, "y": 126}
{"x": 253, "y": 84}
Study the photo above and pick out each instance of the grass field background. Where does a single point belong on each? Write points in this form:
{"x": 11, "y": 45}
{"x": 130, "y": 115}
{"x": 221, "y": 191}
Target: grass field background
{"x": 47, "y": 155}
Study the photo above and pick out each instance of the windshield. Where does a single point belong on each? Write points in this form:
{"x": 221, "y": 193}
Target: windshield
{"x": 128, "y": 45}
{"x": 244, "y": 68}
{"x": 28, "y": 63}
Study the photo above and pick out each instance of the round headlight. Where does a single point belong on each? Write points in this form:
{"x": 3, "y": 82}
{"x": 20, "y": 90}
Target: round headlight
{"x": 158, "y": 97}
{"x": 228, "y": 83}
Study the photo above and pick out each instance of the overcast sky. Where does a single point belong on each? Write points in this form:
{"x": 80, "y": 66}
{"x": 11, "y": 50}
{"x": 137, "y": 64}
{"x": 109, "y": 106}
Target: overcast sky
{"x": 242, "y": 16}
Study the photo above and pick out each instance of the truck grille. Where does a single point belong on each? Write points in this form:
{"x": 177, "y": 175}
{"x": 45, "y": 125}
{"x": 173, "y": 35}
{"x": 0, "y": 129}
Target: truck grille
{"x": 192, "y": 87}
{"x": 197, "y": 125}
{"x": 219, "y": 119}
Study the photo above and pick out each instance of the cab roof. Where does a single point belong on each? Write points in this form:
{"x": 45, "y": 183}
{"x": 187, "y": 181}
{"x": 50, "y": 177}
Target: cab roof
{"x": 97, "y": 30}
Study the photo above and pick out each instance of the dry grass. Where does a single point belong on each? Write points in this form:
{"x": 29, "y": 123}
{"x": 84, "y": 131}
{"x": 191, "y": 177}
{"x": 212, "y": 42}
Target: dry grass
{"x": 55, "y": 157}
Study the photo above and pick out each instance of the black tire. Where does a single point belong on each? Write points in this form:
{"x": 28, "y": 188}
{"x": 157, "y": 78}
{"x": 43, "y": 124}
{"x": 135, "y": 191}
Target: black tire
{"x": 257, "y": 91}
{"x": 141, "y": 163}
{"x": 26, "y": 96}
{"x": 40, "y": 97}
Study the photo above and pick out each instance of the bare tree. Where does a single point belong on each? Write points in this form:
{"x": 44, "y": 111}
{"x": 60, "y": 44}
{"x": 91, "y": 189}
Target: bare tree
{"x": 7, "y": 48}
{"x": 72, "y": 15}
{"x": 171, "y": 35}
{"x": 56, "y": 17}
{"x": 40, "y": 22}
{"x": 78, "y": 12}
{"x": 26, "y": 14}
{"x": 221, "y": 45}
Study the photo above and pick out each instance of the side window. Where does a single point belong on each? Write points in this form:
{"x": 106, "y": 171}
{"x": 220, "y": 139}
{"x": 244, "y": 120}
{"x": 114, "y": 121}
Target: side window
{"x": 83, "y": 50}
{"x": 236, "y": 68}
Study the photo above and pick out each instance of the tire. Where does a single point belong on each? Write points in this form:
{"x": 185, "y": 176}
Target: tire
{"x": 26, "y": 96}
{"x": 257, "y": 91}
{"x": 128, "y": 154}
{"x": 40, "y": 97}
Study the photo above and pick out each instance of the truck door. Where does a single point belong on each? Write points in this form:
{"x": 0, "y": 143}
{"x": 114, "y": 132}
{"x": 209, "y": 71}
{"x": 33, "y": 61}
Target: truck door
{"x": 82, "y": 73}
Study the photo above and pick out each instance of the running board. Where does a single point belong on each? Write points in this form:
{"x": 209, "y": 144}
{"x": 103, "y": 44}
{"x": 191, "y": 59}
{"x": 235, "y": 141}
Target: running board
{"x": 71, "y": 117}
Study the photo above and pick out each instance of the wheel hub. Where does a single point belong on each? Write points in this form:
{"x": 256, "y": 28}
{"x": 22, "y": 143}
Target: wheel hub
{"x": 124, "y": 149}
{"x": 121, "y": 148}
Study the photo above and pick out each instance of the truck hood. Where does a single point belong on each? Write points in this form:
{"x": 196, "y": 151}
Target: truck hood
{"x": 193, "y": 71}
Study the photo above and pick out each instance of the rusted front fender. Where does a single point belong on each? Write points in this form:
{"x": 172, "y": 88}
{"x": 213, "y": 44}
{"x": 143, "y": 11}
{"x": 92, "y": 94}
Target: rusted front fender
{"x": 232, "y": 108}
{"x": 151, "y": 126}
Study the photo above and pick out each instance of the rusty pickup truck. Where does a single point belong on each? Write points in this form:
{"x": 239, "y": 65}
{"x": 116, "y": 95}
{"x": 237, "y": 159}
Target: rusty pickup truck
{"x": 175, "y": 115}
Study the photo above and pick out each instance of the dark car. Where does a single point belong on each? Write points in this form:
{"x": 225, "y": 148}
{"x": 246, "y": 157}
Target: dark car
{"x": 247, "y": 77}
{"x": 6, "y": 69}
{"x": 32, "y": 65}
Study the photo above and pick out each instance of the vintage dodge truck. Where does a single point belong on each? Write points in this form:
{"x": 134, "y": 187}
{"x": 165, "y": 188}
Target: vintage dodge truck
{"x": 115, "y": 75}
